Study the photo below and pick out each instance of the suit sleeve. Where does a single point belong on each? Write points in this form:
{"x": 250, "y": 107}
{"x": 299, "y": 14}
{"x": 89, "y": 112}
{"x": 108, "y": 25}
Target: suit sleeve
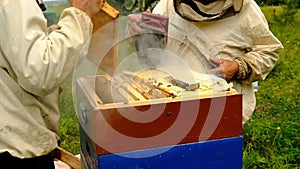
{"x": 41, "y": 61}
{"x": 258, "y": 62}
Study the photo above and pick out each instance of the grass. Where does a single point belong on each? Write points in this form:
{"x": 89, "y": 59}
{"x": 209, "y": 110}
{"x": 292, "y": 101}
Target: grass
{"x": 69, "y": 127}
{"x": 272, "y": 136}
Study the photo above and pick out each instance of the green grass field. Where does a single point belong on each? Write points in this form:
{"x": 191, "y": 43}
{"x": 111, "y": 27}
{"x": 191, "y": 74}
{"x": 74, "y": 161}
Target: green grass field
{"x": 272, "y": 136}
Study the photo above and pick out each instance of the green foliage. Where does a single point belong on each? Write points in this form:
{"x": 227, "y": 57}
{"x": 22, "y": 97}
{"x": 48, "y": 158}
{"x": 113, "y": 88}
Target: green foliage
{"x": 275, "y": 2}
{"x": 272, "y": 136}
{"x": 129, "y": 4}
{"x": 290, "y": 9}
{"x": 132, "y": 6}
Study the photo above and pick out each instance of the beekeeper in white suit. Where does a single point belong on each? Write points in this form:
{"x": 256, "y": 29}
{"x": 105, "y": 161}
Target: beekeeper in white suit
{"x": 245, "y": 50}
{"x": 33, "y": 64}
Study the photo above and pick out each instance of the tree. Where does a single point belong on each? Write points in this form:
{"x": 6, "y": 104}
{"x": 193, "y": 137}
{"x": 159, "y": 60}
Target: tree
{"x": 132, "y": 6}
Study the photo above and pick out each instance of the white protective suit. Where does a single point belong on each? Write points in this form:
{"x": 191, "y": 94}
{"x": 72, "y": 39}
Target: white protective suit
{"x": 244, "y": 37}
{"x": 33, "y": 63}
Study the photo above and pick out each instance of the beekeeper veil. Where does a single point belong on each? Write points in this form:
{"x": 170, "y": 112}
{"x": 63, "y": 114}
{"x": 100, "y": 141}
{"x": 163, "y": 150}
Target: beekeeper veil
{"x": 207, "y": 10}
{"x": 41, "y": 5}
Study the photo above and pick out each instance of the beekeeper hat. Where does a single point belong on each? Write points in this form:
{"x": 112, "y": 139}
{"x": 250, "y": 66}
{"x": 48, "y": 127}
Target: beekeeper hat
{"x": 194, "y": 10}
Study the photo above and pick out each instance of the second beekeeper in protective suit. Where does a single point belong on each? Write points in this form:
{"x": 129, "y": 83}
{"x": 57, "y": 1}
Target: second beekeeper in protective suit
{"x": 34, "y": 62}
{"x": 242, "y": 49}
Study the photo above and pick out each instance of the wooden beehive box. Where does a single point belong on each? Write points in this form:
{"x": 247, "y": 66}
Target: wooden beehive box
{"x": 114, "y": 127}
{"x": 206, "y": 117}
{"x": 105, "y": 35}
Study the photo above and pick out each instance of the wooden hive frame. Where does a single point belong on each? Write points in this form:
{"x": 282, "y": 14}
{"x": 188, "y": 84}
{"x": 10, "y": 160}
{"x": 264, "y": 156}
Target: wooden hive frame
{"x": 107, "y": 15}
